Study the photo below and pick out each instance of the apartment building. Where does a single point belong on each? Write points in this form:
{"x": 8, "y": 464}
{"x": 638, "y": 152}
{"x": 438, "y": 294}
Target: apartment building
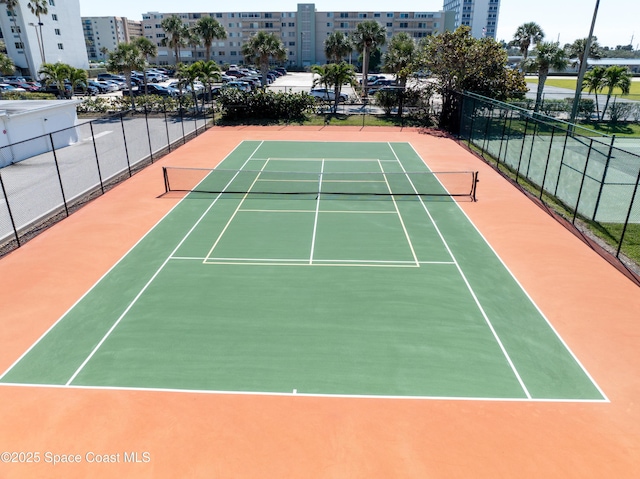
{"x": 102, "y": 34}
{"x": 302, "y": 31}
{"x": 55, "y": 37}
{"x": 480, "y": 15}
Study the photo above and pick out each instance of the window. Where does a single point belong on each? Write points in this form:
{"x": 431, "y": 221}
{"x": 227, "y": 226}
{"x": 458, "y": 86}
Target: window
{"x": 389, "y": 24}
{"x": 404, "y": 15}
{"x": 54, "y": 17}
{"x": 234, "y": 53}
{"x": 344, "y": 25}
{"x": 159, "y": 35}
{"x": 292, "y": 44}
{"x": 268, "y": 25}
{"x": 404, "y": 25}
{"x": 53, "y": 4}
{"x": 19, "y": 45}
{"x": 292, "y": 24}
{"x": 60, "y": 46}
{"x": 16, "y": 29}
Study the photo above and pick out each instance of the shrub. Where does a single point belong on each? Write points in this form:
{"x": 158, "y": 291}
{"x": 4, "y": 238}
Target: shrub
{"x": 620, "y": 111}
{"x": 264, "y": 104}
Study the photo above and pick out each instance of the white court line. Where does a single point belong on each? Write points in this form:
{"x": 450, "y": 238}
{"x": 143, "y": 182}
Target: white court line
{"x": 317, "y": 213}
{"x": 524, "y": 291}
{"x": 469, "y": 287}
{"x": 64, "y": 315}
{"x": 308, "y": 395}
{"x": 219, "y": 238}
{"x": 404, "y": 228}
{"x": 133, "y": 302}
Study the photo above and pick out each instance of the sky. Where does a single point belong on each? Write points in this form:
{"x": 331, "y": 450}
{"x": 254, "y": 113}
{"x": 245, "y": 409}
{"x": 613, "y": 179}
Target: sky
{"x": 618, "y": 21}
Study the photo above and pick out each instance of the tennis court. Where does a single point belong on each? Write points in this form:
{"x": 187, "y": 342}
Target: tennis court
{"x": 343, "y": 309}
{"x": 312, "y": 268}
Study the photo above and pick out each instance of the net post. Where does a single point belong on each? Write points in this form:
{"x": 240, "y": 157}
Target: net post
{"x": 166, "y": 179}
{"x": 474, "y": 186}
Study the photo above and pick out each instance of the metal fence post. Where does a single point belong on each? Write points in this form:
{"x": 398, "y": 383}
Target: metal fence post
{"x": 524, "y": 136}
{"x": 124, "y": 138}
{"x": 604, "y": 178}
{"x": 13, "y": 222}
{"x": 166, "y": 123}
{"x": 95, "y": 151}
{"x": 55, "y": 160}
{"x": 564, "y": 148}
{"x": 486, "y": 131}
{"x": 626, "y": 221}
{"x": 546, "y": 166}
{"x": 584, "y": 177}
{"x": 146, "y": 119}
{"x": 473, "y": 117}
{"x": 184, "y": 141}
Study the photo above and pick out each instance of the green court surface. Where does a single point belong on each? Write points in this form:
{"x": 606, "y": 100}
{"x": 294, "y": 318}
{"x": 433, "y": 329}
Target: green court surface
{"x": 362, "y": 294}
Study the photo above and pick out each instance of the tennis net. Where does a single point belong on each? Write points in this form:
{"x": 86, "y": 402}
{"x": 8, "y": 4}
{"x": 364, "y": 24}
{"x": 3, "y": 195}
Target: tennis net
{"x": 218, "y": 181}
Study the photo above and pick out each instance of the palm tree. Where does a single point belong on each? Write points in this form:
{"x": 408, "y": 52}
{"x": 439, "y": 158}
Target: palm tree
{"x": 400, "y": 59}
{"x": 126, "y": 58}
{"x": 147, "y": 49}
{"x": 337, "y": 46}
{"x": 78, "y": 77}
{"x": 56, "y": 74}
{"x": 177, "y": 35}
{"x": 367, "y": 37}
{"x": 209, "y": 30}
{"x": 576, "y": 51}
{"x": 594, "y": 83}
{"x": 261, "y": 48}
{"x": 187, "y": 76}
{"x": 525, "y": 35}
{"x": 104, "y": 51}
{"x": 334, "y": 75}
{"x": 39, "y": 8}
{"x": 12, "y": 5}
{"x": 208, "y": 72}
{"x": 616, "y": 77}
{"x": 548, "y": 55}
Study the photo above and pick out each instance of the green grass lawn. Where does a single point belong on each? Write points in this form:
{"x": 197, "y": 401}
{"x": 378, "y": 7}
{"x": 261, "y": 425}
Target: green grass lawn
{"x": 570, "y": 83}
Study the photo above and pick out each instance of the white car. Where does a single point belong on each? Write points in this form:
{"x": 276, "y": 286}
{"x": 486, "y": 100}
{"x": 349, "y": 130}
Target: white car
{"x": 9, "y": 88}
{"x": 327, "y": 95}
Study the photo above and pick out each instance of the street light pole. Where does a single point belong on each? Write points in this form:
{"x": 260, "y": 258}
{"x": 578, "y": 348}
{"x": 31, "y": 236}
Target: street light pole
{"x": 583, "y": 67}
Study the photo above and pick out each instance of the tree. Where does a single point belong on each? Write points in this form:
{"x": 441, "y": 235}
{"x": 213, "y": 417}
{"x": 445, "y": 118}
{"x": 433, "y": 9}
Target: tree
{"x": 78, "y": 78}
{"x": 104, "y": 51}
{"x": 209, "y": 30}
{"x": 55, "y": 74}
{"x": 594, "y": 83}
{"x": 525, "y": 35}
{"x": 208, "y": 72}
{"x": 6, "y": 64}
{"x": 126, "y": 58}
{"x": 261, "y": 48}
{"x": 616, "y": 77}
{"x": 11, "y": 9}
{"x": 187, "y": 76}
{"x": 147, "y": 49}
{"x": 460, "y": 62}
{"x": 39, "y": 8}
{"x": 548, "y": 55}
{"x": 367, "y": 37}
{"x": 576, "y": 51}
{"x": 400, "y": 60}
{"x": 176, "y": 33}
{"x": 334, "y": 75}
{"x": 337, "y": 46}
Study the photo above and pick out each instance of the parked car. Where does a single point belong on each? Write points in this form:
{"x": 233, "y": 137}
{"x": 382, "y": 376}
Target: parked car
{"x": 373, "y": 78}
{"x": 282, "y": 70}
{"x": 102, "y": 87}
{"x": 153, "y": 89}
{"x": 240, "y": 85}
{"x": 111, "y": 76}
{"x": 379, "y": 83}
{"x": 52, "y": 88}
{"x": 6, "y": 88}
{"x": 85, "y": 89}
{"x": 327, "y": 95}
{"x": 23, "y": 84}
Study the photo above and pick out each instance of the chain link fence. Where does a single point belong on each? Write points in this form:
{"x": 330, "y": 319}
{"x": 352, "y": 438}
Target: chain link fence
{"x": 50, "y": 176}
{"x": 584, "y": 175}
